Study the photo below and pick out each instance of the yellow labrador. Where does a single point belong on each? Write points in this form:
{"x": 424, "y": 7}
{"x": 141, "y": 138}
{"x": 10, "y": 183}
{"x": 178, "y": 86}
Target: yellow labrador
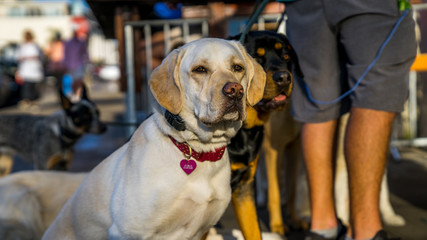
{"x": 149, "y": 188}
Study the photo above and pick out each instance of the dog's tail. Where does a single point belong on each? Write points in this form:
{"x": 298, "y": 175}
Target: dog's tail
{"x": 20, "y": 214}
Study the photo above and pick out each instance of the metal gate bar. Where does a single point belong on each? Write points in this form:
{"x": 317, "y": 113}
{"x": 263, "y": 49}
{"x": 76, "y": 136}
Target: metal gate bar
{"x": 147, "y": 25}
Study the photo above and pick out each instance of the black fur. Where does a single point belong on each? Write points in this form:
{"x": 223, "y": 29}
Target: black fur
{"x": 244, "y": 148}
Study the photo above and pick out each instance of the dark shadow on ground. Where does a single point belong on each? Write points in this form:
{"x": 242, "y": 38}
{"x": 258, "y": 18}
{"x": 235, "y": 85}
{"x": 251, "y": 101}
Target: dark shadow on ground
{"x": 408, "y": 181}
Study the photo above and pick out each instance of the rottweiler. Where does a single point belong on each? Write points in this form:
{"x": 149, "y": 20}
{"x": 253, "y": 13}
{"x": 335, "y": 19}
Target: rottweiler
{"x": 278, "y": 59}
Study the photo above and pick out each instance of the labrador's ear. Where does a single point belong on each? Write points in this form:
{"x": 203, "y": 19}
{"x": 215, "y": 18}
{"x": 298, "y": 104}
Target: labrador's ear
{"x": 165, "y": 85}
{"x": 256, "y": 76}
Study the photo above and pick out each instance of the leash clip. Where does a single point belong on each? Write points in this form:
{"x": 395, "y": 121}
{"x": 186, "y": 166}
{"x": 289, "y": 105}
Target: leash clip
{"x": 403, "y": 5}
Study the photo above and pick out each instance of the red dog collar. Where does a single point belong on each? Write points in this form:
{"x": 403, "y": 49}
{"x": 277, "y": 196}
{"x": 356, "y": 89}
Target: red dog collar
{"x": 204, "y": 156}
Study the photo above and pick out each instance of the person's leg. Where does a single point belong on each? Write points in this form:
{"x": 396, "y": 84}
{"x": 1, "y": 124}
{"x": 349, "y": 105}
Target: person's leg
{"x": 381, "y": 93}
{"x": 77, "y": 84}
{"x": 25, "y": 91}
{"x": 366, "y": 146}
{"x": 316, "y": 47}
{"x": 24, "y": 103}
{"x": 36, "y": 88}
{"x": 318, "y": 150}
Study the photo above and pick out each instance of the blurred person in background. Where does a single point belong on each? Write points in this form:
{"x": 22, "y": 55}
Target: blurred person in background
{"x": 30, "y": 71}
{"x": 55, "y": 55}
{"x": 75, "y": 59}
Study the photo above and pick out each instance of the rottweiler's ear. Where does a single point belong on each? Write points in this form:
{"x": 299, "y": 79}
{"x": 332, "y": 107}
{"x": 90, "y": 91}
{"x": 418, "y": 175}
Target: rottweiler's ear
{"x": 294, "y": 56}
{"x": 164, "y": 83}
{"x": 65, "y": 102}
{"x": 257, "y": 78}
{"x": 84, "y": 92}
{"x": 235, "y": 37}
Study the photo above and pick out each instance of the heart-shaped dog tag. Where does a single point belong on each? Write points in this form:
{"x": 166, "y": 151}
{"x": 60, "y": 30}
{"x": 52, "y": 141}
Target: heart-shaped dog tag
{"x": 188, "y": 166}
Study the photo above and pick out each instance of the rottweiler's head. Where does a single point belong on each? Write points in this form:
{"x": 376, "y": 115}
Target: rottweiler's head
{"x": 274, "y": 53}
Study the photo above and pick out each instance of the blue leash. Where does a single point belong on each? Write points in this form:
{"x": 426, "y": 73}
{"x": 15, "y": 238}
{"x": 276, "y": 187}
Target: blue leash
{"x": 367, "y": 69}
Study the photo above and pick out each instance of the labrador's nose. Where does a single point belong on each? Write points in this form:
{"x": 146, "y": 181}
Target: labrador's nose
{"x": 233, "y": 90}
{"x": 282, "y": 79}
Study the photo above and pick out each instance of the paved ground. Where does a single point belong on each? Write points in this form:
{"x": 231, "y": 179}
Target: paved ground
{"x": 407, "y": 178}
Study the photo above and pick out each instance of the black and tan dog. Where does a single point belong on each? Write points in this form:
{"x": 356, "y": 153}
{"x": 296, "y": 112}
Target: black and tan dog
{"x": 47, "y": 141}
{"x": 274, "y": 53}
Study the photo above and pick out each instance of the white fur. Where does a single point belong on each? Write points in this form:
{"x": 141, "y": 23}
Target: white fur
{"x": 30, "y": 201}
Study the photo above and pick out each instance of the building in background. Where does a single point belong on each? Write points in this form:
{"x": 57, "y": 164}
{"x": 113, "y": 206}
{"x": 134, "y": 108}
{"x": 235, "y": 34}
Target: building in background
{"x": 45, "y": 18}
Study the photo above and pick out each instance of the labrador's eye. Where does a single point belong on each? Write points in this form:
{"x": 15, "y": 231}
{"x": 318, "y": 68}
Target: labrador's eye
{"x": 237, "y": 68}
{"x": 200, "y": 69}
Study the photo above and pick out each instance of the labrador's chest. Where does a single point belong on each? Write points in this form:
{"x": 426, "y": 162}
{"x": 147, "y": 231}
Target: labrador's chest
{"x": 193, "y": 203}
{"x": 169, "y": 204}
{"x": 195, "y": 209}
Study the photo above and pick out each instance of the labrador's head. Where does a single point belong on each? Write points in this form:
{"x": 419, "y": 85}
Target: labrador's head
{"x": 213, "y": 79}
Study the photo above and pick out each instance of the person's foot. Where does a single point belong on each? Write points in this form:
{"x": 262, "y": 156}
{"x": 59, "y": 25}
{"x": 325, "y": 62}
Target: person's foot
{"x": 23, "y": 104}
{"x": 34, "y": 107}
{"x": 341, "y": 233}
{"x": 382, "y": 235}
